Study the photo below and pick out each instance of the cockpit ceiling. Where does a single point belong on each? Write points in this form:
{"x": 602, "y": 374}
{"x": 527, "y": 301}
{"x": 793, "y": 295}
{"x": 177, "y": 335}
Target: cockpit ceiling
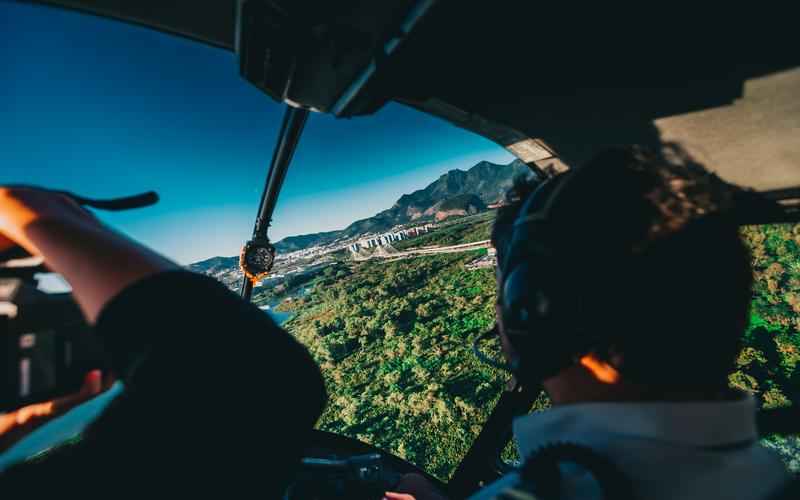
{"x": 754, "y": 141}
{"x": 555, "y": 82}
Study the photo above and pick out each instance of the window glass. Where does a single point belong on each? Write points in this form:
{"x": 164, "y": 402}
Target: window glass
{"x": 370, "y": 275}
{"x": 392, "y": 330}
{"x": 383, "y": 269}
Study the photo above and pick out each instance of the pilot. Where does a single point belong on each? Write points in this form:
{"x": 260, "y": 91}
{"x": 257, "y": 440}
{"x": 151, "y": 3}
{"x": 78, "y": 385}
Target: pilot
{"x": 217, "y": 398}
{"x": 624, "y": 290}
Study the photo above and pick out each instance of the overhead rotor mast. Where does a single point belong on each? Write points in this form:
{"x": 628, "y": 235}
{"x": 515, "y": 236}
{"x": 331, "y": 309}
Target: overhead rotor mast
{"x": 279, "y": 49}
{"x": 258, "y": 254}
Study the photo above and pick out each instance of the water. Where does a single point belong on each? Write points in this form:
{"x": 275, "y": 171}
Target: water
{"x": 278, "y": 316}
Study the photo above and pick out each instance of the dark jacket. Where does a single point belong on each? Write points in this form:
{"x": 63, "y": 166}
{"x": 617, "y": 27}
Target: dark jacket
{"x": 218, "y": 400}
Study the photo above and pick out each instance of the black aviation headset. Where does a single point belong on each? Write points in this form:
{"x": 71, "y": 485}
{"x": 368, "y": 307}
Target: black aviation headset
{"x": 551, "y": 293}
{"x": 542, "y": 314}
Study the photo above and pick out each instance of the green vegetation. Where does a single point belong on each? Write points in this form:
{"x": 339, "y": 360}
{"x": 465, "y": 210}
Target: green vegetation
{"x": 462, "y": 230}
{"x": 290, "y": 286}
{"x": 470, "y": 203}
{"x": 393, "y": 340}
{"x": 768, "y": 364}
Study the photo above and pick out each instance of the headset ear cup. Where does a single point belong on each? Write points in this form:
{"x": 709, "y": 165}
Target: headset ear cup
{"x": 517, "y": 306}
{"x": 529, "y": 323}
{"x": 541, "y": 318}
{"x": 540, "y": 309}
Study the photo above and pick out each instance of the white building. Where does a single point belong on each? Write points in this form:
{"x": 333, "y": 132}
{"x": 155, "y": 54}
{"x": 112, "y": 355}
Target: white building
{"x": 374, "y": 241}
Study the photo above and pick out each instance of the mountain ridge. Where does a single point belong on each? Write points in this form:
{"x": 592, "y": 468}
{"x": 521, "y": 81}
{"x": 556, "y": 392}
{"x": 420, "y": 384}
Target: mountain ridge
{"x": 455, "y": 192}
{"x": 488, "y": 181}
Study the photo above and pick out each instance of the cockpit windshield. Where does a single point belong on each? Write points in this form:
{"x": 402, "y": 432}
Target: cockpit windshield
{"x": 105, "y": 109}
{"x": 384, "y": 269}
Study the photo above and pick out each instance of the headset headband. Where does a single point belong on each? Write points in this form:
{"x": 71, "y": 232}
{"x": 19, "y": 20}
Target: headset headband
{"x": 544, "y": 212}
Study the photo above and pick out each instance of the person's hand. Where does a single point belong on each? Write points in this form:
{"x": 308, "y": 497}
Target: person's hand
{"x": 22, "y": 207}
{"x": 19, "y": 423}
{"x": 414, "y": 487}
{"x": 397, "y": 496}
{"x": 97, "y": 262}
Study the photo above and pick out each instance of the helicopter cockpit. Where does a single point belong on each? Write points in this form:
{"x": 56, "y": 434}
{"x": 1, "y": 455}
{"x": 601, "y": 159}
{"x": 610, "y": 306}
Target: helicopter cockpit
{"x": 551, "y": 86}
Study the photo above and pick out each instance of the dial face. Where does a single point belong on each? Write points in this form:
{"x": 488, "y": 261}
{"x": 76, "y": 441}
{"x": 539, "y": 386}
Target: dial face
{"x": 259, "y": 259}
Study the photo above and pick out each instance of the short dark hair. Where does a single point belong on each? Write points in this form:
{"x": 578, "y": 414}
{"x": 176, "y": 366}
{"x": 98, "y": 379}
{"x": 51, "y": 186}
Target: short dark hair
{"x": 647, "y": 238}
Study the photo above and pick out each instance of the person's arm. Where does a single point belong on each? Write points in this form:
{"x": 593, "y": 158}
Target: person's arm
{"x": 17, "y": 424}
{"x": 97, "y": 262}
{"x": 141, "y": 301}
{"x": 208, "y": 376}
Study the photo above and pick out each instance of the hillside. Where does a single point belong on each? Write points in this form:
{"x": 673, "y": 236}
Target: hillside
{"x": 477, "y": 187}
{"x": 459, "y": 205}
{"x": 224, "y": 269}
{"x": 294, "y": 243}
{"x": 214, "y": 264}
{"x": 393, "y": 340}
{"x": 469, "y": 202}
{"x": 462, "y": 230}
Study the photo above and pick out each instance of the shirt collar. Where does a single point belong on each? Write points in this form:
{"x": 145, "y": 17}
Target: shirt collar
{"x": 702, "y": 424}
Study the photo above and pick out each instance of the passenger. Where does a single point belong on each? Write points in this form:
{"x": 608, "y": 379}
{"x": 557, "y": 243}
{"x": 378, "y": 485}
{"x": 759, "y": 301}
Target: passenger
{"x": 625, "y": 287}
{"x": 217, "y": 398}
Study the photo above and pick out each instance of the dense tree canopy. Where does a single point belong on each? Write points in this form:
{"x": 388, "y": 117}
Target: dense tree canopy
{"x": 393, "y": 340}
{"x": 768, "y": 364}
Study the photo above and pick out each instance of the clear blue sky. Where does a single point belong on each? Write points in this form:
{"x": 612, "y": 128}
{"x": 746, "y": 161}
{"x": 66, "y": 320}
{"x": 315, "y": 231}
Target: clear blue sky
{"x": 108, "y": 109}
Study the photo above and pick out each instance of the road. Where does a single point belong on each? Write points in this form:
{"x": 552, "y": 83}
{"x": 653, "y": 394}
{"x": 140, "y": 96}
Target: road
{"x": 384, "y": 253}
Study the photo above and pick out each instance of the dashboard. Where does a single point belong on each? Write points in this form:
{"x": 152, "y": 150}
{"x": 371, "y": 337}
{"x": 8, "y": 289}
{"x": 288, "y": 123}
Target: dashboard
{"x": 338, "y": 467}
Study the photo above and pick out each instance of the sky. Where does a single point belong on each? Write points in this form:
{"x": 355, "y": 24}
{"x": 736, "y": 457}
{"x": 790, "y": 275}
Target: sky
{"x": 107, "y": 109}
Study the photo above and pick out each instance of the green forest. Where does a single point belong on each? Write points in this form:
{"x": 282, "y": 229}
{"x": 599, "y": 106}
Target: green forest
{"x": 767, "y": 366}
{"x": 393, "y": 339}
{"x": 462, "y": 230}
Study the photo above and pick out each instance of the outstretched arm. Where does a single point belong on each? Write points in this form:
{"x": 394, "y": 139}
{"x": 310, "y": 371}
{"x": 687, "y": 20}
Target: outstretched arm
{"x": 208, "y": 376}
{"x": 97, "y": 262}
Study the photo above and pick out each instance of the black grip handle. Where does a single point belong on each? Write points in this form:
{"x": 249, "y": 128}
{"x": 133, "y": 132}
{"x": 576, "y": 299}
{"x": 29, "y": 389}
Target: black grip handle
{"x": 116, "y": 204}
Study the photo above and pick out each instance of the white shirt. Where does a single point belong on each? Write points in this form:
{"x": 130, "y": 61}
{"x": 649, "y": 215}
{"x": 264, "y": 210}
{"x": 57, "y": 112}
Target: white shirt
{"x": 689, "y": 450}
